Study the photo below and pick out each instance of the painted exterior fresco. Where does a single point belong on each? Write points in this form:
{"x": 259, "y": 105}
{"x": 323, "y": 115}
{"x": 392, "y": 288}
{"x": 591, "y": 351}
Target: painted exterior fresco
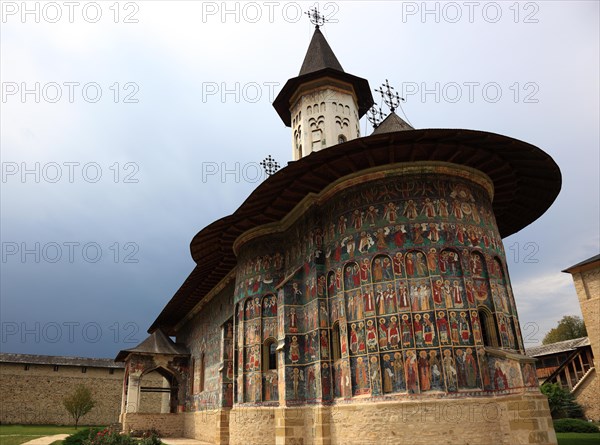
{"x": 209, "y": 338}
{"x": 389, "y": 287}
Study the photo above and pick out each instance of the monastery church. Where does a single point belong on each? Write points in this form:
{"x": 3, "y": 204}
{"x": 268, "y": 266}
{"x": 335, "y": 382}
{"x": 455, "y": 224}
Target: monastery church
{"x": 360, "y": 295}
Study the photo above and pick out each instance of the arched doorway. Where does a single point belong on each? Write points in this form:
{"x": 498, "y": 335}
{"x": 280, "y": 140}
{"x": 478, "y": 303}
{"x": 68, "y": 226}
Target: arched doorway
{"x": 158, "y": 392}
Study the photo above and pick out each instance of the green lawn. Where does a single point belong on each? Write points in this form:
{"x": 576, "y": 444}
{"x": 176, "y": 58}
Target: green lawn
{"x": 18, "y": 434}
{"x": 578, "y": 438}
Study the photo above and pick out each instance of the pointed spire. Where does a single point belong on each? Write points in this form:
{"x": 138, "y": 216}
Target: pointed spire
{"x": 321, "y": 63}
{"x": 319, "y": 55}
{"x": 391, "y": 124}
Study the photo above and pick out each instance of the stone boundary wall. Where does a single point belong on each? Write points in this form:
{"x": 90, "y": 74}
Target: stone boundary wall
{"x": 34, "y": 396}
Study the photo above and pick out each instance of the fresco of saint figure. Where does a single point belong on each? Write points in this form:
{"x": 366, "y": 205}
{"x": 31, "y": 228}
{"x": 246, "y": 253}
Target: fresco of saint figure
{"x": 399, "y": 382}
{"x": 388, "y": 273}
{"x": 388, "y": 374}
{"x": 529, "y": 377}
{"x": 311, "y": 382}
{"x": 368, "y": 303}
{"x": 500, "y": 380}
{"x": 393, "y": 333}
{"x": 361, "y": 338}
{"x": 449, "y": 367}
{"x": 323, "y": 315}
{"x": 371, "y": 335}
{"x": 403, "y": 299}
{"x": 326, "y": 381}
{"x": 397, "y": 264}
{"x": 429, "y": 337}
{"x": 324, "y": 342}
{"x": 294, "y": 350}
{"x": 424, "y": 368}
{"x": 375, "y": 374}
{"x": 297, "y": 379}
{"x": 365, "y": 275}
{"x": 383, "y": 334}
{"x": 476, "y": 263}
{"x": 421, "y": 265}
{"x": 361, "y": 377}
{"x": 409, "y": 264}
{"x": 437, "y": 377}
{"x": 353, "y": 339}
{"x": 380, "y": 299}
{"x": 485, "y": 368}
{"x": 418, "y": 331}
{"x": 377, "y": 270}
{"x": 454, "y": 328}
{"x": 411, "y": 371}
{"x": 432, "y": 260}
{"x": 464, "y": 329}
{"x": 270, "y": 386}
{"x": 293, "y": 320}
{"x": 389, "y": 296}
{"x": 471, "y": 369}
{"x": 406, "y": 332}
{"x": 437, "y": 292}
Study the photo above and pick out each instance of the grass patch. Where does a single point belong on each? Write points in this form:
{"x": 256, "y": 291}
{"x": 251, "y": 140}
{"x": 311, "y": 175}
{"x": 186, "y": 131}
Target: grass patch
{"x": 578, "y": 438}
{"x": 18, "y": 434}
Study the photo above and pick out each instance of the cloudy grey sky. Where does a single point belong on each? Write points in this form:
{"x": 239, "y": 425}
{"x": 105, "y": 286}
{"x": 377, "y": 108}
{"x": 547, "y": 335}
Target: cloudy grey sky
{"x": 126, "y": 127}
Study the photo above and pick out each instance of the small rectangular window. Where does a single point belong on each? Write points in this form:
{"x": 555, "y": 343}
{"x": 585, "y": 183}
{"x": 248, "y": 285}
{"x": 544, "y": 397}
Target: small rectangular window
{"x": 111, "y": 371}
{"x": 55, "y": 368}
{"x": 83, "y": 370}
{"x": 26, "y": 367}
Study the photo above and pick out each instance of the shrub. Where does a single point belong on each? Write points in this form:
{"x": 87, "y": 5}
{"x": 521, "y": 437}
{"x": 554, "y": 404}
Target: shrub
{"x": 145, "y": 433}
{"x": 562, "y": 403}
{"x": 80, "y": 436}
{"x": 109, "y": 436}
{"x": 574, "y": 426}
{"x": 150, "y": 438}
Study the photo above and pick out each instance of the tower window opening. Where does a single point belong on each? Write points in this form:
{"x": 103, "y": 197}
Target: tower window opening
{"x": 336, "y": 352}
{"x": 270, "y": 355}
{"x": 202, "y": 373}
{"x": 341, "y": 139}
{"x": 488, "y": 328}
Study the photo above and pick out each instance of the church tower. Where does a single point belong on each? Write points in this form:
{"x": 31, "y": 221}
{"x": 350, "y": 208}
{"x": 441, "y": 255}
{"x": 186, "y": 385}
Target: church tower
{"x": 323, "y": 104}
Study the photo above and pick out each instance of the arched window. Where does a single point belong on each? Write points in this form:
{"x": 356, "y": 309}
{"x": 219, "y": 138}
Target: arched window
{"x": 341, "y": 139}
{"x": 269, "y": 361}
{"x": 489, "y": 330}
{"x": 336, "y": 352}
{"x": 192, "y": 375}
{"x": 513, "y": 327}
{"x": 201, "y": 373}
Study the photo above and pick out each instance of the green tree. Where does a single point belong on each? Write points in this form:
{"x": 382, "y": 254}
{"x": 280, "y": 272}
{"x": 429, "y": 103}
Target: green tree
{"x": 568, "y": 328}
{"x": 79, "y": 403}
{"x": 562, "y": 403}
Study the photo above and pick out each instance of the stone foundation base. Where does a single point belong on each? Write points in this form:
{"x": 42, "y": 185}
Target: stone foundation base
{"x": 502, "y": 420}
{"x": 168, "y": 425}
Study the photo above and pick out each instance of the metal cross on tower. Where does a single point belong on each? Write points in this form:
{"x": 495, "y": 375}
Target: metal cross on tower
{"x": 375, "y": 116}
{"x": 316, "y": 18}
{"x": 391, "y": 99}
{"x": 270, "y": 165}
